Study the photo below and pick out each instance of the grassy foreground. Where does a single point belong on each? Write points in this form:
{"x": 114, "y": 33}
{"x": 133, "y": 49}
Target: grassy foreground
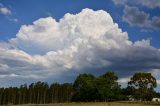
{"x": 96, "y": 104}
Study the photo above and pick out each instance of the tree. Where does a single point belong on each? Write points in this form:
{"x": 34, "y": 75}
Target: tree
{"x": 54, "y": 92}
{"x": 84, "y": 86}
{"x": 108, "y": 87}
{"x": 31, "y": 93}
{"x": 144, "y": 84}
{"x": 90, "y": 88}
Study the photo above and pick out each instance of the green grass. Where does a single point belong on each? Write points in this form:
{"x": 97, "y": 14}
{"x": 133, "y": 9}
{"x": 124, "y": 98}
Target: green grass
{"x": 97, "y": 104}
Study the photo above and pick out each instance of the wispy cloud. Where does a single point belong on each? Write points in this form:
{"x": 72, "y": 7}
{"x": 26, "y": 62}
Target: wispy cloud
{"x": 5, "y": 11}
{"x": 13, "y": 19}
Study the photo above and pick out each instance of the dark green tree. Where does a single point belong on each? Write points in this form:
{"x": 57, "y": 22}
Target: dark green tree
{"x": 85, "y": 89}
{"x": 108, "y": 87}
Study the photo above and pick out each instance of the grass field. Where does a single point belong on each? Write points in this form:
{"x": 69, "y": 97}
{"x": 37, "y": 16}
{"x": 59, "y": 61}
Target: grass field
{"x": 96, "y": 104}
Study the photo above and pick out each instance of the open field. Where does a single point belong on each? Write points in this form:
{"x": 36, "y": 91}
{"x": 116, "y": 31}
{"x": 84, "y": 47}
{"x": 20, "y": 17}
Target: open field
{"x": 95, "y": 104}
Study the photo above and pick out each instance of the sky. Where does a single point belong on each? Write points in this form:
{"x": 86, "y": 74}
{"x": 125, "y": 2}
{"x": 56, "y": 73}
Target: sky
{"x": 55, "y": 40}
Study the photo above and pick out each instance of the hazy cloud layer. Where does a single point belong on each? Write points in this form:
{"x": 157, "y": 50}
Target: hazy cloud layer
{"x": 85, "y": 42}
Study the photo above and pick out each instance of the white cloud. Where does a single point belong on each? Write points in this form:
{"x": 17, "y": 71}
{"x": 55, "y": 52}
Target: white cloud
{"x": 4, "y": 67}
{"x": 5, "y": 11}
{"x": 124, "y": 80}
{"x": 13, "y": 19}
{"x": 10, "y": 75}
{"x": 85, "y": 42}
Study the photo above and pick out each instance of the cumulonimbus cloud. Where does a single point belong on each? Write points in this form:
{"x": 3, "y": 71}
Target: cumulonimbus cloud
{"x": 85, "y": 42}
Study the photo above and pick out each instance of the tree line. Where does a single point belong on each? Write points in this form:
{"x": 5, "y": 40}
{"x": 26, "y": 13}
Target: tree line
{"x": 86, "y": 88}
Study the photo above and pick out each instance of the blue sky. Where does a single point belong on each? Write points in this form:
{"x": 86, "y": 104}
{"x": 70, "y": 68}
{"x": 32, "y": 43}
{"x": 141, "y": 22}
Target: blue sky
{"x": 20, "y": 19}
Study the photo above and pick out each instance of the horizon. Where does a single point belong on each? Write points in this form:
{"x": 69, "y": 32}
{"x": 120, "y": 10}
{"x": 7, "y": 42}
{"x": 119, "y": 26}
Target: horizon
{"x": 54, "y": 41}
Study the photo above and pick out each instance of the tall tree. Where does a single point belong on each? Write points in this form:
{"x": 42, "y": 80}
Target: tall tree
{"x": 144, "y": 84}
{"x": 54, "y": 91}
{"x": 108, "y": 87}
{"x": 84, "y": 86}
